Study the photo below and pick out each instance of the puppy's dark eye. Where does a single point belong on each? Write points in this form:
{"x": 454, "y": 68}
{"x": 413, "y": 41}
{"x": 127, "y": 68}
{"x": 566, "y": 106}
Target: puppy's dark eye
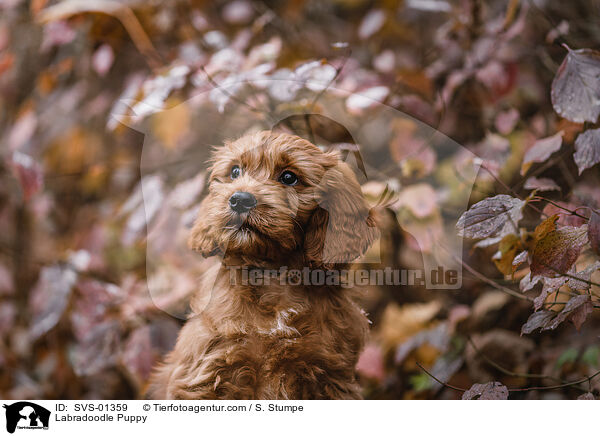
{"x": 288, "y": 178}
{"x": 236, "y": 171}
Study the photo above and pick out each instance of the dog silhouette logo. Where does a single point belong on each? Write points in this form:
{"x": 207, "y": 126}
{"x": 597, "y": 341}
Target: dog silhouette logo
{"x": 26, "y": 415}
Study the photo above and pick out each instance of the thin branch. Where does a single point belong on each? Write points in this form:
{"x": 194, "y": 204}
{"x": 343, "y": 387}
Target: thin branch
{"x": 572, "y": 212}
{"x": 564, "y": 385}
{"x": 515, "y": 374}
{"x": 492, "y": 282}
{"x": 439, "y": 381}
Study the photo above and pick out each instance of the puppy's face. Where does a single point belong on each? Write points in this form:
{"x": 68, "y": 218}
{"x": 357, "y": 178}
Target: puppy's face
{"x": 271, "y": 194}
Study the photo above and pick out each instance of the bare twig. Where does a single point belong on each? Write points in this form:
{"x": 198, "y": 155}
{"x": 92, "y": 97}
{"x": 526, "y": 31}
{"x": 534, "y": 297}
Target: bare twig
{"x": 439, "y": 381}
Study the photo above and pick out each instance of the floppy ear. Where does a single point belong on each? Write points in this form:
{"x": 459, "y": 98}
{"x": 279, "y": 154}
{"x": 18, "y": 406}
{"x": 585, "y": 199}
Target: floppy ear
{"x": 341, "y": 228}
{"x": 201, "y": 237}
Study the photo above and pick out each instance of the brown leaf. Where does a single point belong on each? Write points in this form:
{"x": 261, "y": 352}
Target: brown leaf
{"x": 508, "y": 248}
{"x": 577, "y": 309}
{"x": 537, "y": 320}
{"x": 580, "y": 314}
{"x": 576, "y": 86}
{"x": 594, "y": 232}
{"x": 541, "y": 150}
{"x": 495, "y": 216}
{"x": 488, "y": 391}
{"x": 587, "y": 149}
{"x": 557, "y": 250}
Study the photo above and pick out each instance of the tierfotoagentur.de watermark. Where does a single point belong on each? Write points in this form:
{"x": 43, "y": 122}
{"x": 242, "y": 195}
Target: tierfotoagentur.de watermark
{"x": 348, "y": 278}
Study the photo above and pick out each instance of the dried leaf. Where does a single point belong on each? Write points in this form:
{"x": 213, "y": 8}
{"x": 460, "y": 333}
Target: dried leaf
{"x": 495, "y": 216}
{"x": 577, "y": 309}
{"x": 587, "y": 149}
{"x": 581, "y": 313}
{"x": 576, "y": 86}
{"x": 509, "y": 246}
{"x": 50, "y": 298}
{"x": 527, "y": 283}
{"x": 557, "y": 250}
{"x": 487, "y": 391}
{"x": 537, "y": 320}
{"x": 541, "y": 151}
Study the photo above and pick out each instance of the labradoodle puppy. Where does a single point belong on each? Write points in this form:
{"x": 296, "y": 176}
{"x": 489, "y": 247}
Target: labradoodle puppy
{"x": 286, "y": 214}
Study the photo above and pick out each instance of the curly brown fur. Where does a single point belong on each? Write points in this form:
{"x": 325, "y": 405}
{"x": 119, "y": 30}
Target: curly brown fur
{"x": 275, "y": 341}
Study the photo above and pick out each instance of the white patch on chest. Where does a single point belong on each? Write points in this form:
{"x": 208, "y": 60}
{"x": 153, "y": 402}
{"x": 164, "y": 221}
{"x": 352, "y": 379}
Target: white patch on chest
{"x": 281, "y": 327}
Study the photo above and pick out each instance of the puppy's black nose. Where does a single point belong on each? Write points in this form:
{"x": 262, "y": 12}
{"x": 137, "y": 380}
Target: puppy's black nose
{"x": 241, "y": 202}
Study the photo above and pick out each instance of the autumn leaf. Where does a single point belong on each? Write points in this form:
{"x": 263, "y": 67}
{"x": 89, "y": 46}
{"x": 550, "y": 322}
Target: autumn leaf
{"x": 577, "y": 309}
{"x": 541, "y": 151}
{"x": 487, "y": 391}
{"x": 557, "y": 250}
{"x": 537, "y": 320}
{"x": 508, "y": 248}
{"x": 587, "y": 149}
{"x": 495, "y": 216}
{"x": 576, "y": 86}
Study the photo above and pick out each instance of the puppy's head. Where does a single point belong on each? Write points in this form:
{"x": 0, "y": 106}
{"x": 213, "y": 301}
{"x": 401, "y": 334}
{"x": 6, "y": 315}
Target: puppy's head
{"x": 273, "y": 194}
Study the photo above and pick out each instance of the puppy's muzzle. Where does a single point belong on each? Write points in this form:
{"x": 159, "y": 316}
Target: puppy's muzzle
{"x": 241, "y": 202}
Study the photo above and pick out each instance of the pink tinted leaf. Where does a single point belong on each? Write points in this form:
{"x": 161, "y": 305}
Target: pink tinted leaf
{"x": 564, "y": 217}
{"x": 487, "y": 391}
{"x": 103, "y": 59}
{"x": 587, "y": 149}
{"x": 370, "y": 363}
{"x": 541, "y": 150}
{"x": 576, "y": 86}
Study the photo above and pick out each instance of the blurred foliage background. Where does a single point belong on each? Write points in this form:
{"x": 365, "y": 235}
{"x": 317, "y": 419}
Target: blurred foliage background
{"x": 87, "y": 87}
